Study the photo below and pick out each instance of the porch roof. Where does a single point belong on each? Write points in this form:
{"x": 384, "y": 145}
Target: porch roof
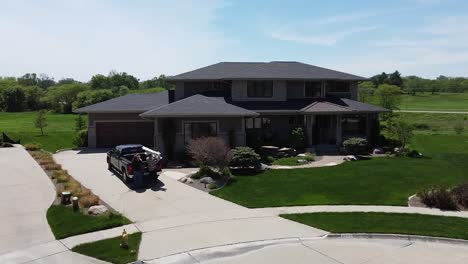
{"x": 199, "y": 106}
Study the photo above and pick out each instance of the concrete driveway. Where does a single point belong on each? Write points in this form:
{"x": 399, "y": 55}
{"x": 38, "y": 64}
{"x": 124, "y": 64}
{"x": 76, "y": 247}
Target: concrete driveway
{"x": 25, "y": 195}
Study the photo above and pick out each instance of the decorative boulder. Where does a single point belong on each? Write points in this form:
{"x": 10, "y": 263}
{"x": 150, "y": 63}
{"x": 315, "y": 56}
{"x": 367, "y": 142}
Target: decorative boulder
{"x": 286, "y": 152}
{"x": 301, "y": 160}
{"x": 97, "y": 210}
{"x": 207, "y": 180}
{"x": 378, "y": 151}
{"x": 350, "y": 158}
{"x": 261, "y": 167}
{"x": 266, "y": 151}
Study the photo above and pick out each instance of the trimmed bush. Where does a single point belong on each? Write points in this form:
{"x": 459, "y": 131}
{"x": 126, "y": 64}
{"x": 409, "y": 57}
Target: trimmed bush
{"x": 81, "y": 138}
{"x": 355, "y": 145}
{"x": 32, "y": 146}
{"x": 460, "y": 193}
{"x": 438, "y": 198}
{"x": 204, "y": 171}
{"x": 212, "y": 186}
{"x": 244, "y": 157}
{"x": 88, "y": 201}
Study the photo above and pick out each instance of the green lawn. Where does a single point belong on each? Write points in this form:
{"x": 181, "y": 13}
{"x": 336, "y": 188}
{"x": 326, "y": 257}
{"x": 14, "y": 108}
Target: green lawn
{"x": 58, "y": 134}
{"x": 441, "y": 101}
{"x": 379, "y": 181}
{"x": 109, "y": 249}
{"x": 149, "y": 90}
{"x": 65, "y": 223}
{"x": 386, "y": 223}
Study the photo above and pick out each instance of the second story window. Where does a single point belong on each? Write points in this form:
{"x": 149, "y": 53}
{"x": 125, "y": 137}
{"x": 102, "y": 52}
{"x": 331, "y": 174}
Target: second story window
{"x": 260, "y": 89}
{"x": 313, "y": 89}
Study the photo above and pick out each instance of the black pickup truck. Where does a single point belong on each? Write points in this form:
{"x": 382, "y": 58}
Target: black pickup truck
{"x": 120, "y": 159}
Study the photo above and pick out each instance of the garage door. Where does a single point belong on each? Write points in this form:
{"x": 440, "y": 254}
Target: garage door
{"x": 110, "y": 134}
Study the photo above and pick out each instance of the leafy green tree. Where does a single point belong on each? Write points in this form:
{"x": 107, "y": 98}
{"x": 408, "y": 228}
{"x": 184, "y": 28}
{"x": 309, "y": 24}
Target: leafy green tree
{"x": 380, "y": 79}
{"x": 66, "y": 81}
{"x": 29, "y": 79}
{"x": 365, "y": 91}
{"x": 99, "y": 82}
{"x": 399, "y": 129}
{"x": 44, "y": 81}
{"x": 395, "y": 79}
{"x": 90, "y": 97}
{"x": 414, "y": 84}
{"x": 41, "y": 121}
{"x": 79, "y": 123}
{"x": 61, "y": 97}
{"x": 13, "y": 99}
{"x": 389, "y": 96}
{"x": 123, "y": 79}
{"x": 33, "y": 97}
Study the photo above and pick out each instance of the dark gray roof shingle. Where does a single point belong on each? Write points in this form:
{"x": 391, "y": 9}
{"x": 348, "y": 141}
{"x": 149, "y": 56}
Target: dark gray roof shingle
{"x": 198, "y": 106}
{"x": 130, "y": 103}
{"x": 286, "y": 70}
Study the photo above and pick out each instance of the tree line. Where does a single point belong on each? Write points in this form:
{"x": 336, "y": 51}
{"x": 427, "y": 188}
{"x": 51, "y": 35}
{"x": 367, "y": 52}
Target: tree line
{"x": 32, "y": 92}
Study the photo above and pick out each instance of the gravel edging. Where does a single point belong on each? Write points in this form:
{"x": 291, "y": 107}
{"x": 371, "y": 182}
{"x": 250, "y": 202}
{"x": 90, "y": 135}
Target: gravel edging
{"x": 398, "y": 237}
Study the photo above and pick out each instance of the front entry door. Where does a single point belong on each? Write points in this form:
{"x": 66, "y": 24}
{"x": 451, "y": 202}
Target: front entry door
{"x": 324, "y": 130}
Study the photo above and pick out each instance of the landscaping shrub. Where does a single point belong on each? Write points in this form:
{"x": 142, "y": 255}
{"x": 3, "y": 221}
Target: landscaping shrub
{"x": 460, "y": 193}
{"x": 52, "y": 166}
{"x": 6, "y": 145}
{"x": 81, "y": 138}
{"x": 32, "y": 146}
{"x": 204, "y": 171}
{"x": 72, "y": 186}
{"x": 355, "y": 145}
{"x": 209, "y": 151}
{"x": 438, "y": 198}
{"x": 62, "y": 176}
{"x": 88, "y": 201}
{"x": 212, "y": 186}
{"x": 422, "y": 126}
{"x": 298, "y": 138}
{"x": 244, "y": 157}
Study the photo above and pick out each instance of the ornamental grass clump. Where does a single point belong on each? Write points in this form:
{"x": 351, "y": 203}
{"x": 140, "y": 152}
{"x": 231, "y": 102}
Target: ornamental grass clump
{"x": 88, "y": 201}
{"x": 438, "y": 197}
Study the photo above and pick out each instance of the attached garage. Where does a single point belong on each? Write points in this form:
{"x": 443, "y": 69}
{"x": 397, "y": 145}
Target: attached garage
{"x": 110, "y": 134}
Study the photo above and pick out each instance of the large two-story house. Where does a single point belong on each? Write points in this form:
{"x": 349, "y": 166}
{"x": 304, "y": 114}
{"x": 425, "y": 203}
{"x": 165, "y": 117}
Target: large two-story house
{"x": 243, "y": 102}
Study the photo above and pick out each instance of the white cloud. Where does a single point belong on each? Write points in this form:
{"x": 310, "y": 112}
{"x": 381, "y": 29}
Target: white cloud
{"x": 325, "y": 39}
{"x": 81, "y": 38}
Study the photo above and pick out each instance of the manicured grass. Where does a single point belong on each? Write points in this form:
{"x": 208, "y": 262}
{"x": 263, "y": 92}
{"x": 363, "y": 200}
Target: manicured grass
{"x": 59, "y": 133}
{"x": 379, "y": 181}
{"x": 291, "y": 161}
{"x": 435, "y": 123}
{"x": 386, "y": 223}
{"x": 65, "y": 223}
{"x": 109, "y": 249}
{"x": 440, "y": 101}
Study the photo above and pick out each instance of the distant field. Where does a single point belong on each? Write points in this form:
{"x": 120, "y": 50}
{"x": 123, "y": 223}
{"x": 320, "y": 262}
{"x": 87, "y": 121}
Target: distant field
{"x": 430, "y": 123}
{"x": 441, "y": 101}
{"x": 58, "y": 134}
{"x": 149, "y": 90}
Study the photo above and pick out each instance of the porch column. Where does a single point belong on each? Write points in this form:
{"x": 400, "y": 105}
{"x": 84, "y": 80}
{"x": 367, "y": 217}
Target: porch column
{"x": 310, "y": 119}
{"x": 339, "y": 130}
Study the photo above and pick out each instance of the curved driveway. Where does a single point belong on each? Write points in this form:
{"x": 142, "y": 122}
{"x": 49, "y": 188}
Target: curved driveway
{"x": 25, "y": 195}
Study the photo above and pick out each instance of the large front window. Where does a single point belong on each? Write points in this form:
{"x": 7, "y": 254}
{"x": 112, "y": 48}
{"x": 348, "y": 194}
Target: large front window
{"x": 353, "y": 125}
{"x": 260, "y": 89}
{"x": 258, "y": 123}
{"x": 199, "y": 129}
{"x": 313, "y": 89}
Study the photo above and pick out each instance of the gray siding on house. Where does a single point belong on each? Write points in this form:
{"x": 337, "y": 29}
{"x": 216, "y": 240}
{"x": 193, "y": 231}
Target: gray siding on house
{"x": 295, "y": 89}
{"x": 179, "y": 91}
{"x": 239, "y": 92}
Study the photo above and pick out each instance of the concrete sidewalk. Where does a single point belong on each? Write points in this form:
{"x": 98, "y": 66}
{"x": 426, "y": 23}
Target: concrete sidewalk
{"x": 26, "y": 193}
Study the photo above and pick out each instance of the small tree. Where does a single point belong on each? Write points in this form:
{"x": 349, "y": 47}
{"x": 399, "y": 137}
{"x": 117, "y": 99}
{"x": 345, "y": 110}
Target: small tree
{"x": 79, "y": 123}
{"x": 210, "y": 151}
{"x": 298, "y": 137}
{"x": 389, "y": 96}
{"x": 41, "y": 121}
{"x": 400, "y": 130}
{"x": 365, "y": 91}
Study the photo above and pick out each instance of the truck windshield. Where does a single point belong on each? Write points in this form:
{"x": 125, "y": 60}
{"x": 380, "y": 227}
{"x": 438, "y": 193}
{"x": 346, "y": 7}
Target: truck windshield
{"x": 127, "y": 151}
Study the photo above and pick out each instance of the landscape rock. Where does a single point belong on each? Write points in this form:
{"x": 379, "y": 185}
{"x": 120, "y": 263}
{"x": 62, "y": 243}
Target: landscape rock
{"x": 350, "y": 158}
{"x": 261, "y": 167}
{"x": 189, "y": 181}
{"x": 97, "y": 210}
{"x": 301, "y": 160}
{"x": 269, "y": 151}
{"x": 378, "y": 151}
{"x": 302, "y": 155}
{"x": 287, "y": 152}
{"x": 207, "y": 180}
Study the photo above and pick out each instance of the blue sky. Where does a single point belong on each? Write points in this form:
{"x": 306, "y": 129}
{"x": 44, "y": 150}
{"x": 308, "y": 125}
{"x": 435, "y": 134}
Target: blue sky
{"x": 146, "y": 38}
